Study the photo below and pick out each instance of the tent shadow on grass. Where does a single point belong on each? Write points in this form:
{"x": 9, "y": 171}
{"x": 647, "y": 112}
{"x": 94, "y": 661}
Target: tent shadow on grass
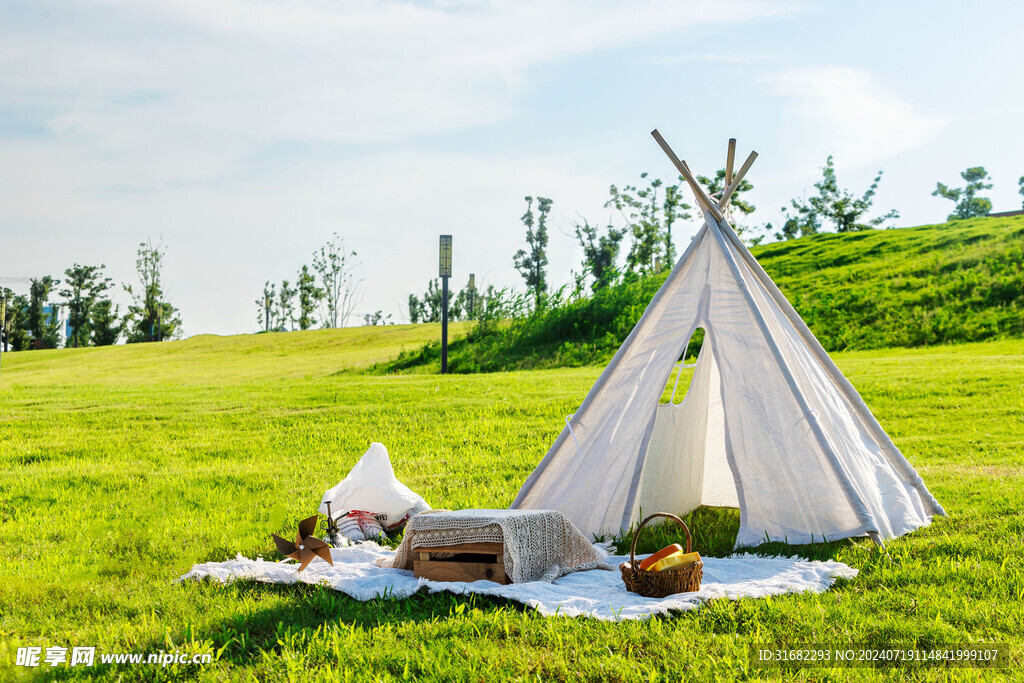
{"x": 299, "y": 614}
{"x": 310, "y": 606}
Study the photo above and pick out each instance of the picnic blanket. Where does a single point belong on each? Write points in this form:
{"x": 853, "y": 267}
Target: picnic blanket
{"x": 596, "y": 593}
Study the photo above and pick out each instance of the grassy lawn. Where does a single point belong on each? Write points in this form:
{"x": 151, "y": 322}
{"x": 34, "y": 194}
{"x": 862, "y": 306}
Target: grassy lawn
{"x": 211, "y": 360}
{"x": 122, "y": 467}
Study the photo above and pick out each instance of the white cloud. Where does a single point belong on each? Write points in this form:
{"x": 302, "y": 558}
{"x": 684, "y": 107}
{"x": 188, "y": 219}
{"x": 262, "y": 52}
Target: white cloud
{"x": 167, "y": 118}
{"x": 846, "y": 112}
{"x": 355, "y": 71}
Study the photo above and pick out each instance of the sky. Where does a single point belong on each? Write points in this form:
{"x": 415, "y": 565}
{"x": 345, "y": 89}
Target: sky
{"x": 242, "y": 134}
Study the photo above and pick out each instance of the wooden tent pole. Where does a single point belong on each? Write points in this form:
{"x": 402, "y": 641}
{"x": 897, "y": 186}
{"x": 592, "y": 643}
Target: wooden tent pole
{"x": 729, "y": 159}
{"x": 684, "y": 170}
{"x": 724, "y": 201}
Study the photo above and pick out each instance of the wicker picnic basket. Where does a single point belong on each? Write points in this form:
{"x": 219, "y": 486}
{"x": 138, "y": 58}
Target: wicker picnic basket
{"x": 660, "y": 584}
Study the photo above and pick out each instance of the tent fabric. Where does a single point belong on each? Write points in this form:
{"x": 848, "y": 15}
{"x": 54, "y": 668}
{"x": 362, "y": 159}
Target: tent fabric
{"x": 769, "y": 424}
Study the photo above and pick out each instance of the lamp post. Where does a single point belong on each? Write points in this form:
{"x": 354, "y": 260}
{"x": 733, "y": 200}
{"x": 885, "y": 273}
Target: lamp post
{"x": 445, "y": 272}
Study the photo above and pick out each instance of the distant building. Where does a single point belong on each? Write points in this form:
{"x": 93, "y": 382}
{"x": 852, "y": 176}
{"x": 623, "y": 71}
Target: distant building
{"x": 1004, "y": 214}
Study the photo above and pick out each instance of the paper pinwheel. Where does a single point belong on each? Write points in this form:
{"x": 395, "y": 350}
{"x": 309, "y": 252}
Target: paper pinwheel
{"x": 306, "y": 546}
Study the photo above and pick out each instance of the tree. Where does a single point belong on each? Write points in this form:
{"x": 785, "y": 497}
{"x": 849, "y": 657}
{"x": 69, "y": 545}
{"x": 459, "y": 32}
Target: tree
{"x": 378, "y": 318}
{"x": 38, "y": 293}
{"x": 309, "y": 297}
{"x": 106, "y": 323}
{"x": 336, "y": 268}
{"x": 456, "y": 311}
{"x": 285, "y": 306}
{"x": 417, "y": 310}
{"x": 832, "y": 203}
{"x": 968, "y": 204}
{"x": 149, "y": 317}
{"x": 600, "y": 253}
{"x": 463, "y": 307}
{"x": 427, "y": 309}
{"x": 83, "y": 287}
{"x": 51, "y": 328}
{"x": 432, "y": 300}
{"x": 532, "y": 265}
{"x": 1021, "y": 183}
{"x": 673, "y": 209}
{"x": 649, "y": 219}
{"x": 17, "y": 336}
{"x": 8, "y": 318}
{"x": 843, "y": 208}
{"x": 5, "y": 298}
{"x": 804, "y": 221}
{"x": 265, "y": 304}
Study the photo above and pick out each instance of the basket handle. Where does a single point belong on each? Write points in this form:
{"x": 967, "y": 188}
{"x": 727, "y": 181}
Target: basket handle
{"x": 636, "y": 536}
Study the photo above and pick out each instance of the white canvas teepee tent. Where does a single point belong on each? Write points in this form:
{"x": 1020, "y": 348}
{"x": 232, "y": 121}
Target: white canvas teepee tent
{"x": 769, "y": 424}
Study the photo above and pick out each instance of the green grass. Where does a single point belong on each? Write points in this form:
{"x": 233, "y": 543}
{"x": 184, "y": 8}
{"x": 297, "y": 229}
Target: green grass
{"x": 209, "y": 359}
{"x": 936, "y": 284}
{"x": 954, "y": 282}
{"x": 120, "y": 468}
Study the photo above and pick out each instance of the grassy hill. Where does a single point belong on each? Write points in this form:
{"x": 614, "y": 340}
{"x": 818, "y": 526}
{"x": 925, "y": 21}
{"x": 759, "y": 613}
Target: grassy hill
{"x": 207, "y": 358}
{"x": 936, "y": 284}
{"x": 120, "y": 468}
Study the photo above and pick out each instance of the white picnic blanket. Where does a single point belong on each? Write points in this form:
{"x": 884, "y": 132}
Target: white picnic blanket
{"x": 595, "y": 593}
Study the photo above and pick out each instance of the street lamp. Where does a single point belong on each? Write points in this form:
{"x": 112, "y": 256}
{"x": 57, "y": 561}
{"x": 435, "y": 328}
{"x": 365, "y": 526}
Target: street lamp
{"x": 445, "y": 272}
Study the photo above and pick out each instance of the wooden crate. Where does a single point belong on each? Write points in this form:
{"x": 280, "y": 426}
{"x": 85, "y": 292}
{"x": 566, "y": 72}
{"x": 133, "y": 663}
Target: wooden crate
{"x": 470, "y": 562}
